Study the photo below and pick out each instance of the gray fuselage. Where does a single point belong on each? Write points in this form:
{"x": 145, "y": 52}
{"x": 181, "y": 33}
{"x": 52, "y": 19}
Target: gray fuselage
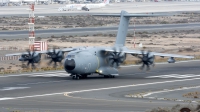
{"x": 85, "y": 60}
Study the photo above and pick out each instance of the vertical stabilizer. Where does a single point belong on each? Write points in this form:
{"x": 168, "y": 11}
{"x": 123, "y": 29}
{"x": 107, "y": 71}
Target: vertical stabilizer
{"x": 122, "y": 29}
{"x": 124, "y": 22}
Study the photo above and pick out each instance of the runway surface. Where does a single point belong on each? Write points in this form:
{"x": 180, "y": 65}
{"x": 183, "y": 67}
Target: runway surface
{"x": 94, "y": 30}
{"x": 54, "y": 91}
{"x": 131, "y": 7}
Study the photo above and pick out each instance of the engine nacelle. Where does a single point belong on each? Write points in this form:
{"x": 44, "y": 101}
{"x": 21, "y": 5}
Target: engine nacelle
{"x": 171, "y": 60}
{"x": 36, "y": 57}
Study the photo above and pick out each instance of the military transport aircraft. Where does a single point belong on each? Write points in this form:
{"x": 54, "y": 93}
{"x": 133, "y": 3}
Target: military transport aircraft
{"x": 83, "y": 61}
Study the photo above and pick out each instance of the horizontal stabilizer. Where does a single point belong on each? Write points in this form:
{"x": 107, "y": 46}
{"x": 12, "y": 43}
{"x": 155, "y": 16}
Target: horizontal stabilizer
{"x": 136, "y": 14}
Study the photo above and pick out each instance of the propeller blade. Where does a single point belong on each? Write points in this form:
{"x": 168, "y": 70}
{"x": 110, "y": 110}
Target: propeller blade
{"x": 121, "y": 60}
{"x": 111, "y": 62}
{"x": 33, "y": 65}
{"x": 139, "y": 62}
{"x": 147, "y": 54}
{"x": 113, "y": 54}
{"x": 116, "y": 57}
{"x": 54, "y": 65}
{"x": 115, "y": 64}
{"x": 142, "y": 67}
{"x": 110, "y": 57}
{"x": 58, "y": 53}
{"x": 54, "y": 50}
{"x": 142, "y": 52}
{"x": 149, "y": 63}
{"x": 28, "y": 63}
{"x": 118, "y": 64}
{"x": 140, "y": 57}
{"x": 50, "y": 61}
{"x": 28, "y": 51}
{"x": 121, "y": 55}
{"x": 149, "y": 58}
{"x": 148, "y": 68}
{"x": 146, "y": 59}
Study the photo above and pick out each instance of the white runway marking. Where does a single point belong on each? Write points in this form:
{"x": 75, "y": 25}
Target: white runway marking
{"x": 12, "y": 88}
{"x": 164, "y": 63}
{"x": 43, "y": 82}
{"x": 65, "y": 74}
{"x": 39, "y": 74}
{"x": 51, "y": 75}
{"x": 98, "y": 89}
{"x": 174, "y": 76}
{"x": 166, "y": 90}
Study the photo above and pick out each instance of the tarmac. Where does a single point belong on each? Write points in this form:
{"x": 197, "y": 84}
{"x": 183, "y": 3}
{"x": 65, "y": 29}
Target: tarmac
{"x": 131, "y": 7}
{"x": 95, "y": 30}
{"x": 55, "y": 91}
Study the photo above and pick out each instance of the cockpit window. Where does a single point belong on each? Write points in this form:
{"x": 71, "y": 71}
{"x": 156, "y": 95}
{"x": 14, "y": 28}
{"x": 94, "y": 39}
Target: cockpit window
{"x": 70, "y": 56}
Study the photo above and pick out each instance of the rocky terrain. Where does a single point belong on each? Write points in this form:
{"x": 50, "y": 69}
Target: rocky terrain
{"x": 21, "y": 23}
{"x": 177, "y": 108}
{"x": 176, "y": 42}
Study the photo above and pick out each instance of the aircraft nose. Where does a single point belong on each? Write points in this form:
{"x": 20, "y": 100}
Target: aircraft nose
{"x": 69, "y": 64}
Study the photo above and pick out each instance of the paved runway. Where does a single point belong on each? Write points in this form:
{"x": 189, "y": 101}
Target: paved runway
{"x": 54, "y": 91}
{"x": 131, "y": 7}
{"x": 94, "y": 30}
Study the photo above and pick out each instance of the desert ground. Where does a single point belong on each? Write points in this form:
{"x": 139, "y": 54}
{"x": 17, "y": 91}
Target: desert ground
{"x": 185, "y": 42}
{"x": 48, "y": 22}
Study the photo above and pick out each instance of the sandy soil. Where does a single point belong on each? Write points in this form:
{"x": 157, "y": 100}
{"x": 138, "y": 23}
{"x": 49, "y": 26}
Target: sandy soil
{"x": 20, "y": 23}
{"x": 192, "y": 95}
{"x": 177, "y": 42}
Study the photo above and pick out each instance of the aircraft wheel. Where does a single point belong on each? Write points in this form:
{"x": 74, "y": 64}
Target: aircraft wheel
{"x": 105, "y": 76}
{"x": 77, "y": 77}
{"x": 73, "y": 77}
{"x": 112, "y": 76}
{"x": 84, "y": 76}
{"x": 109, "y": 76}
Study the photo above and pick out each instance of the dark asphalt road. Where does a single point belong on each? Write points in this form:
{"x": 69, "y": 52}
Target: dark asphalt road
{"x": 45, "y": 91}
{"x": 92, "y": 30}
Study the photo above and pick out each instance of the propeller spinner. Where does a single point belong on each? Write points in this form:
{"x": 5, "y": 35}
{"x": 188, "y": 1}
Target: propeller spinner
{"x": 146, "y": 60}
{"x": 55, "y": 56}
{"x": 115, "y": 58}
{"x": 31, "y": 57}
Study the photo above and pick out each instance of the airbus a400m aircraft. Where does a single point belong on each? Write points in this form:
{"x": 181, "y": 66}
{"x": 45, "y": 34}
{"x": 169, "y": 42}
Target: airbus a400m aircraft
{"x": 83, "y": 61}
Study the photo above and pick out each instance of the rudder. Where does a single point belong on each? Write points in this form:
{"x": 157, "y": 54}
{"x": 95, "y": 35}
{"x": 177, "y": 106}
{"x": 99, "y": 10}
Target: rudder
{"x": 122, "y": 29}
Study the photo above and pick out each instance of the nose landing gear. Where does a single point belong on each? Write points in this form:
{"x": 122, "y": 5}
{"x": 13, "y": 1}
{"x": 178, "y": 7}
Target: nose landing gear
{"x": 75, "y": 76}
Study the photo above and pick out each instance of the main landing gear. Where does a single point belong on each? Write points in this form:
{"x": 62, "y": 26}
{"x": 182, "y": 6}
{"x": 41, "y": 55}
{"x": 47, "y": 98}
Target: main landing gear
{"x": 77, "y": 76}
{"x": 109, "y": 76}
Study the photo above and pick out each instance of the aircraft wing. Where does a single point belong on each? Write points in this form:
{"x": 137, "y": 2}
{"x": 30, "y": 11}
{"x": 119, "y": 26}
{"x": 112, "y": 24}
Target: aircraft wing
{"x": 16, "y": 54}
{"x": 127, "y": 51}
{"x": 41, "y": 52}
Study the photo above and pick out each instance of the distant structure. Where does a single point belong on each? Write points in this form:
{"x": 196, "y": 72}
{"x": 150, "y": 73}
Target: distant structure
{"x": 46, "y": 2}
{"x": 40, "y": 45}
{"x": 31, "y": 27}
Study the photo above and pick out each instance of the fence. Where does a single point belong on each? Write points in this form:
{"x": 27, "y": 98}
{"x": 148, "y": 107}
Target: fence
{"x": 5, "y": 58}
